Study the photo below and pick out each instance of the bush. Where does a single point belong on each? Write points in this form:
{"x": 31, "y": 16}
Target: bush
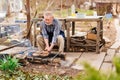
{"x": 93, "y": 74}
{"x": 9, "y": 64}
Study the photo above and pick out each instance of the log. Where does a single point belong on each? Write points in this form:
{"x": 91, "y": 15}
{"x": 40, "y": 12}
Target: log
{"x": 9, "y": 47}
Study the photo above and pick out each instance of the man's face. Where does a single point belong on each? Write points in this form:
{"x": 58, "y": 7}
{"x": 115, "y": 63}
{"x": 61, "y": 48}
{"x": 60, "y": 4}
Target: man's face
{"x": 48, "y": 20}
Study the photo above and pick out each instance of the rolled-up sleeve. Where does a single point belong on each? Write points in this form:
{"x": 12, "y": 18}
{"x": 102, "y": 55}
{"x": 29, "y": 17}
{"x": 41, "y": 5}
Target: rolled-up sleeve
{"x": 56, "y": 32}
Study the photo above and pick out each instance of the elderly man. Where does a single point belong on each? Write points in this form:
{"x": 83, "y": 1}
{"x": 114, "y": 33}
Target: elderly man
{"x": 51, "y": 34}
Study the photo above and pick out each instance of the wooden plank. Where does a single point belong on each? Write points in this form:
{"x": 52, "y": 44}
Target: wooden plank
{"x": 117, "y": 54}
{"x": 2, "y": 47}
{"x": 116, "y": 45}
{"x": 98, "y": 62}
{"x": 14, "y": 50}
{"x": 9, "y": 47}
{"x": 93, "y": 59}
{"x": 79, "y": 67}
{"x": 106, "y": 67}
{"x": 70, "y": 57}
{"x": 113, "y": 68}
{"x": 6, "y": 24}
{"x": 110, "y": 55}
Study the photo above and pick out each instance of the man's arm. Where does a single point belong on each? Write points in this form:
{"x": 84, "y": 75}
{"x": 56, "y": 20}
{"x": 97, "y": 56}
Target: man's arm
{"x": 46, "y": 43}
{"x": 45, "y": 36}
{"x": 56, "y": 33}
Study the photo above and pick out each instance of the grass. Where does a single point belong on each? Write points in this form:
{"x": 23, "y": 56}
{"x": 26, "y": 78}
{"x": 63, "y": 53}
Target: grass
{"x": 87, "y": 12}
{"x": 67, "y": 12}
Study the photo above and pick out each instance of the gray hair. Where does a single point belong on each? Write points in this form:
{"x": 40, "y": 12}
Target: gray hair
{"x": 48, "y": 13}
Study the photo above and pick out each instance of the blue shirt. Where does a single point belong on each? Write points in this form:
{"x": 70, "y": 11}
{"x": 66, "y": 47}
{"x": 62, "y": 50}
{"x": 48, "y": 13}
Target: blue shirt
{"x": 51, "y": 31}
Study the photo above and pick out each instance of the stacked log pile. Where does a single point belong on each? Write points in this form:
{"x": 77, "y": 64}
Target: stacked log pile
{"x": 83, "y": 44}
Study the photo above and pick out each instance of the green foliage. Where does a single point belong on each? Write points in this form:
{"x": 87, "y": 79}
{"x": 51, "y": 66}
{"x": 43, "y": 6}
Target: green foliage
{"x": 9, "y": 64}
{"x": 90, "y": 73}
{"x": 67, "y": 12}
{"x": 87, "y": 12}
{"x": 116, "y": 62}
{"x": 93, "y": 74}
{"x": 9, "y": 71}
{"x": 61, "y": 13}
{"x": 20, "y": 75}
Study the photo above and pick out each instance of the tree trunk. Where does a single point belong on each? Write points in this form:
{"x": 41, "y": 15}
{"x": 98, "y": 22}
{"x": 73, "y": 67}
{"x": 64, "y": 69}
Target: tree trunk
{"x": 8, "y": 9}
{"x": 116, "y": 9}
{"x": 28, "y": 17}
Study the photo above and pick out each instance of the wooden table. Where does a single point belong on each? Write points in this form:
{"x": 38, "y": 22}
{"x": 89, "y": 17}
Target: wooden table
{"x": 66, "y": 21}
{"x": 99, "y": 27}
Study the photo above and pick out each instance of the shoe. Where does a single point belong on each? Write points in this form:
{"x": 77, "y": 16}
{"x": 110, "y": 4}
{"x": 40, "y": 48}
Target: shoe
{"x": 44, "y": 54}
{"x": 36, "y": 54}
{"x": 41, "y": 54}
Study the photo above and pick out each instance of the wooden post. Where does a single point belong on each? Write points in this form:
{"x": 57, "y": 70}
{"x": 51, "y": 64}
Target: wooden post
{"x": 68, "y": 36}
{"x": 73, "y": 27}
{"x": 98, "y": 37}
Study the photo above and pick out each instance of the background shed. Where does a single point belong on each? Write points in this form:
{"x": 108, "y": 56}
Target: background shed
{"x": 108, "y": 6}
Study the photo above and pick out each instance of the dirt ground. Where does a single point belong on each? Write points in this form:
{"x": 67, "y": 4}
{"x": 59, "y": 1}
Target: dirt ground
{"x": 50, "y": 69}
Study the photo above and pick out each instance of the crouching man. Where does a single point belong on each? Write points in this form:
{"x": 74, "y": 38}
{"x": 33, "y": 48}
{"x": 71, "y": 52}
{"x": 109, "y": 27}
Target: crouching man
{"x": 51, "y": 34}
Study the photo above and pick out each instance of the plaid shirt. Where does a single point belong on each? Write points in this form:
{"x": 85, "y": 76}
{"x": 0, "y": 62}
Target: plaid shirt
{"x": 51, "y": 31}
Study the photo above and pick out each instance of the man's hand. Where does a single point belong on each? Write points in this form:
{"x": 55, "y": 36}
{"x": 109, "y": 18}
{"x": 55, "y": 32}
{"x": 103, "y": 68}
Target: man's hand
{"x": 49, "y": 48}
